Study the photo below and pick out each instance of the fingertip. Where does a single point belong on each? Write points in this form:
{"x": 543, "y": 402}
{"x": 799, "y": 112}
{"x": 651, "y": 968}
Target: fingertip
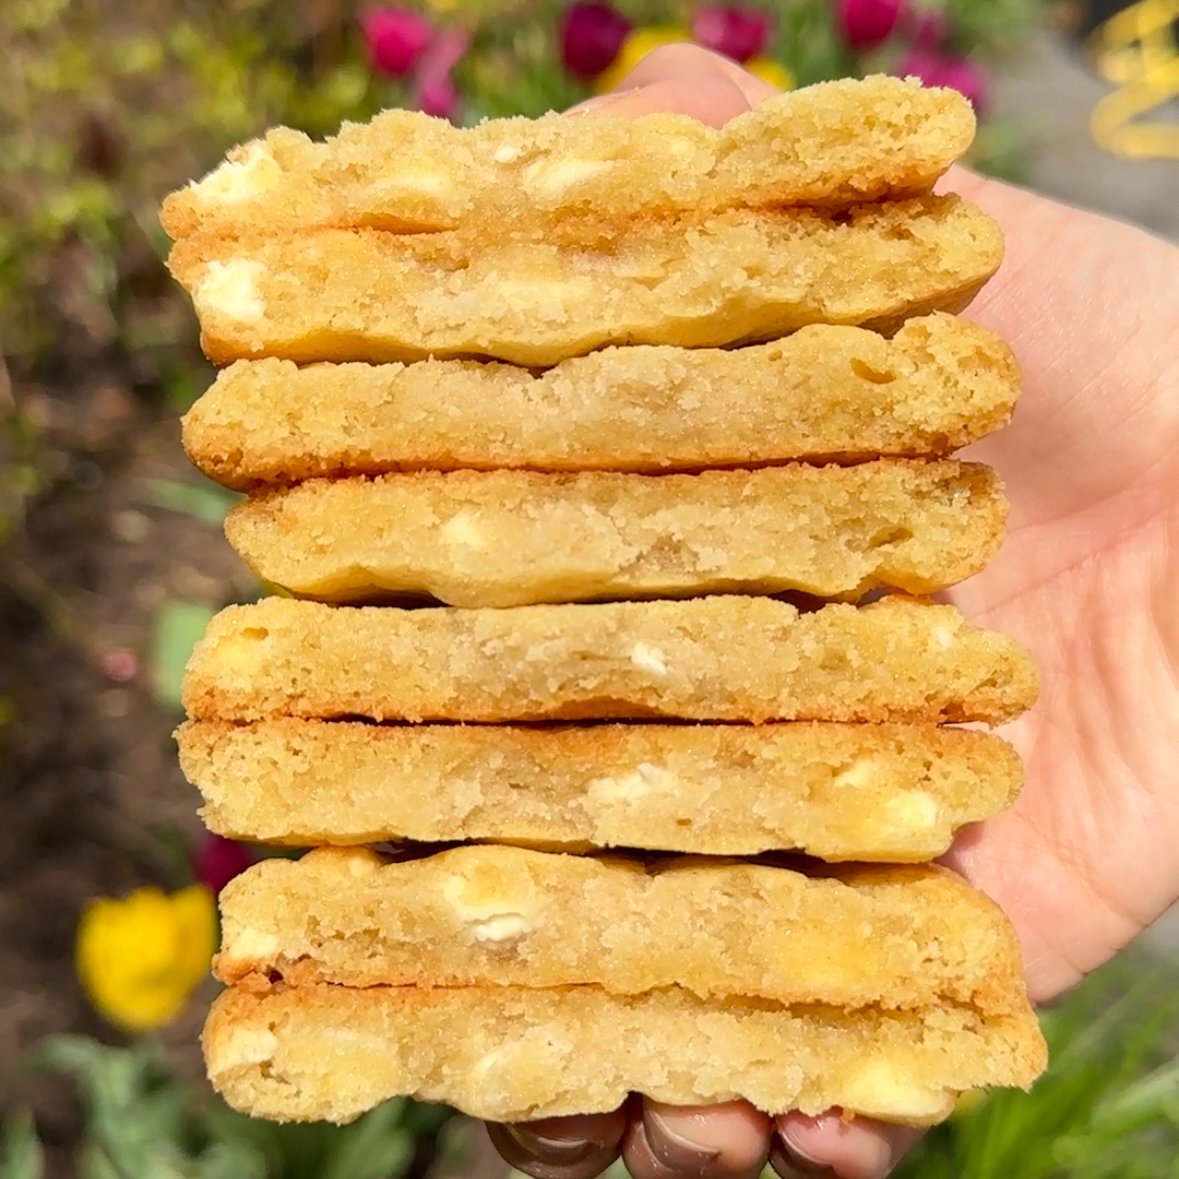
{"x": 694, "y": 65}
{"x": 577, "y": 1147}
{"x": 846, "y": 1148}
{"x": 682, "y": 79}
{"x": 729, "y": 1141}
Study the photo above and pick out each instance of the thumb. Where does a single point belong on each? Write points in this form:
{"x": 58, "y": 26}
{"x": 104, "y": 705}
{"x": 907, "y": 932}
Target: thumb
{"x": 683, "y": 79}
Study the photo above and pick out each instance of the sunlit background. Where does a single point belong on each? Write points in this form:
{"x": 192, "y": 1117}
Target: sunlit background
{"x": 112, "y": 561}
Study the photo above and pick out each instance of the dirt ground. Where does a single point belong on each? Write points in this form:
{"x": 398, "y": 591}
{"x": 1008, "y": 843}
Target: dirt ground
{"x": 89, "y": 769}
{"x": 88, "y": 774}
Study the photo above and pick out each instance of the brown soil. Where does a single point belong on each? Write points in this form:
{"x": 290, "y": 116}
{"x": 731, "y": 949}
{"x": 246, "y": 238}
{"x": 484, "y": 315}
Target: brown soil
{"x": 88, "y": 774}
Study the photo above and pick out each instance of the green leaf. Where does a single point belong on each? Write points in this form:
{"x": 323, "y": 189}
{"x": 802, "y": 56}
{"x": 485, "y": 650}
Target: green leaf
{"x": 231, "y": 1160}
{"x": 177, "y": 627}
{"x": 20, "y": 1148}
{"x": 374, "y": 1147}
{"x": 203, "y": 501}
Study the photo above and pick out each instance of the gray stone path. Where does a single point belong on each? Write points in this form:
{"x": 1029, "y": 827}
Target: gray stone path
{"x": 1050, "y": 90}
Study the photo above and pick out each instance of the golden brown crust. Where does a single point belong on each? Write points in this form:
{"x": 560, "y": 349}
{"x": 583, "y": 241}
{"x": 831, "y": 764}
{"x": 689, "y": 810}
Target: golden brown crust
{"x": 827, "y": 392}
{"x": 723, "y": 658}
{"x": 837, "y": 143}
{"x": 512, "y": 1053}
{"x": 519, "y": 538}
{"x": 726, "y": 279}
{"x": 838, "y": 792}
{"x": 501, "y": 916}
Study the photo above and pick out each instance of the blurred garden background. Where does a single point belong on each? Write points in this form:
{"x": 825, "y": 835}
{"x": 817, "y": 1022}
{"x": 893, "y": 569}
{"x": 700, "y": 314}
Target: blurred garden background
{"x": 111, "y": 557}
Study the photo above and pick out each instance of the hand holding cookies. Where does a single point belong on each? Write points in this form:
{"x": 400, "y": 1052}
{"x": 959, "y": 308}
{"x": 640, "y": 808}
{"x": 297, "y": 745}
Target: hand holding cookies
{"x": 1088, "y": 573}
{"x": 602, "y": 385}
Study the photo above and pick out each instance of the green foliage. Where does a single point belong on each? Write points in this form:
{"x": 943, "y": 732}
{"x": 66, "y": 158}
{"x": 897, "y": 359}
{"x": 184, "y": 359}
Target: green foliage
{"x": 205, "y": 501}
{"x": 1108, "y": 1108}
{"x": 105, "y": 110}
{"x": 177, "y": 627}
{"x": 20, "y": 1149}
{"x": 143, "y": 1121}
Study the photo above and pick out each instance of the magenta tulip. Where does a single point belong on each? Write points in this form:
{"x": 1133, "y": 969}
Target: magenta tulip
{"x": 739, "y": 33}
{"x": 217, "y": 861}
{"x": 434, "y": 91}
{"x": 396, "y": 38}
{"x": 929, "y": 31}
{"x": 439, "y": 97}
{"x": 591, "y": 37}
{"x": 866, "y": 24}
{"x": 955, "y": 73}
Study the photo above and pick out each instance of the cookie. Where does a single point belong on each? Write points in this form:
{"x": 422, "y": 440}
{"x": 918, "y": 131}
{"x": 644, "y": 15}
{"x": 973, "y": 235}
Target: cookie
{"x": 722, "y": 658}
{"x": 826, "y": 393}
{"x": 837, "y": 143}
{"x": 502, "y": 916}
{"x": 518, "y": 538}
{"x": 699, "y": 282}
{"x": 838, "y": 792}
{"x": 514, "y": 1053}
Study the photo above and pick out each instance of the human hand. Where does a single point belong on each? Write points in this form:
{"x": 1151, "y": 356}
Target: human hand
{"x": 1088, "y": 581}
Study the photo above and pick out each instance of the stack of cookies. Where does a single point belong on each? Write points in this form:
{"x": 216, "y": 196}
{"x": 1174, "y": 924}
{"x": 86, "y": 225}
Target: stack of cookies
{"x": 577, "y": 445}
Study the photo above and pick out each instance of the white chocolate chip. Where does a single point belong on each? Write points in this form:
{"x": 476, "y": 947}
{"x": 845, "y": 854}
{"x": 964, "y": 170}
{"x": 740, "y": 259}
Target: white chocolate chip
{"x": 506, "y": 153}
{"x": 501, "y": 927}
{"x": 363, "y": 864}
{"x": 245, "y": 1046}
{"x": 854, "y": 774}
{"x": 649, "y": 659}
{"x": 253, "y": 174}
{"x": 461, "y": 529}
{"x": 231, "y": 289}
{"x": 493, "y": 918}
{"x": 553, "y": 178}
{"x": 417, "y": 181}
{"x": 252, "y": 943}
{"x": 880, "y": 1089}
{"x": 645, "y": 778}
{"x": 914, "y": 809}
{"x": 944, "y": 637}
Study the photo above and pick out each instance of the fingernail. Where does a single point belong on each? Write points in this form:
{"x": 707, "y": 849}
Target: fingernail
{"x": 791, "y": 1163}
{"x": 599, "y": 103}
{"x": 672, "y": 1147}
{"x": 860, "y": 1154}
{"x": 564, "y": 1150}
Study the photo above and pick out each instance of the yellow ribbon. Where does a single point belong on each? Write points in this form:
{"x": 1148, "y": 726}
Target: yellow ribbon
{"x": 1136, "y": 49}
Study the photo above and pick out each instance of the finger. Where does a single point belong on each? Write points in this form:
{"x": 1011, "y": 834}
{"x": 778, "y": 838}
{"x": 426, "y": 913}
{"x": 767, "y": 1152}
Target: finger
{"x": 683, "y": 79}
{"x": 829, "y": 1146}
{"x": 729, "y": 1141}
{"x": 692, "y": 64}
{"x": 578, "y": 1147}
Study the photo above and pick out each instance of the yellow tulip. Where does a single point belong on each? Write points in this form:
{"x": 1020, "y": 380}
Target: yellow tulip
{"x": 769, "y": 70}
{"x": 637, "y": 45}
{"x": 140, "y": 958}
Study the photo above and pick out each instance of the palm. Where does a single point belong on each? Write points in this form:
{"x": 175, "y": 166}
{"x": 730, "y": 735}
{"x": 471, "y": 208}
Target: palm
{"x": 1089, "y": 580}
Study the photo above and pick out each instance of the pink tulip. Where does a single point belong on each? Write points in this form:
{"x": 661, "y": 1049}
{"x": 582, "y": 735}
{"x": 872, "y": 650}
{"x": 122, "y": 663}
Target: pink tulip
{"x": 955, "y": 73}
{"x": 591, "y": 37}
{"x": 434, "y": 91}
{"x": 217, "y": 861}
{"x": 438, "y": 97}
{"x": 739, "y": 33}
{"x": 868, "y": 23}
{"x": 930, "y": 30}
{"x": 396, "y": 38}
